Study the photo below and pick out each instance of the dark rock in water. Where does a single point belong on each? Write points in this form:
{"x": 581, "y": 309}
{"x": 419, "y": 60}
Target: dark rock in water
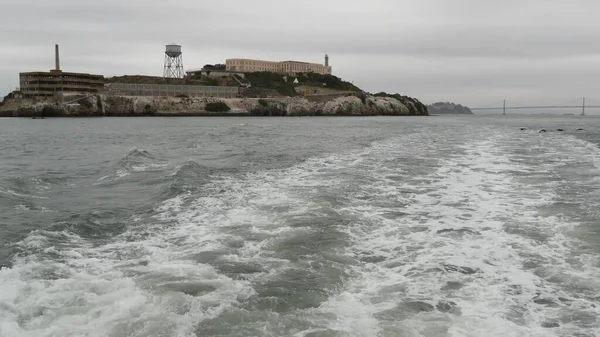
{"x": 579, "y": 129}
{"x": 459, "y": 269}
{"x": 452, "y": 285}
{"x": 523, "y": 129}
{"x": 560, "y": 130}
{"x": 542, "y": 130}
{"x": 550, "y": 325}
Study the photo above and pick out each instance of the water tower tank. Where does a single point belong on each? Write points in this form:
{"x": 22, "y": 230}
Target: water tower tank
{"x": 173, "y": 50}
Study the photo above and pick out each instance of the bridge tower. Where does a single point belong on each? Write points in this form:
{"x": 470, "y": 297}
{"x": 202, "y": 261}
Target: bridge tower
{"x": 583, "y": 108}
{"x": 504, "y": 107}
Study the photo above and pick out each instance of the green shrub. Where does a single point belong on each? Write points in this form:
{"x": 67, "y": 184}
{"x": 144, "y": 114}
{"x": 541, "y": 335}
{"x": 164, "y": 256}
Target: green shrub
{"x": 263, "y": 102}
{"x": 270, "y": 80}
{"x": 217, "y": 107}
{"x": 210, "y": 81}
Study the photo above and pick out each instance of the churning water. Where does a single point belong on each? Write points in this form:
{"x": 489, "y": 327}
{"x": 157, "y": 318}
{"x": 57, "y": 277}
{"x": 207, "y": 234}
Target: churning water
{"x": 439, "y": 226}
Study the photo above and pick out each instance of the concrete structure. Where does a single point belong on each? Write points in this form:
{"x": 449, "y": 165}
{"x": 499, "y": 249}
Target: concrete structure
{"x": 46, "y": 84}
{"x": 173, "y": 67}
{"x": 282, "y": 67}
{"x": 136, "y": 89}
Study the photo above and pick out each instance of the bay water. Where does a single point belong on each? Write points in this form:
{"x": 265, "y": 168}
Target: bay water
{"x": 314, "y": 227}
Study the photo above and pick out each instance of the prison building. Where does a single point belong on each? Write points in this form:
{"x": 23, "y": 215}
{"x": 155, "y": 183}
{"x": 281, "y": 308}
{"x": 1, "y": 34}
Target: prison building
{"x": 282, "y": 67}
{"x": 46, "y": 84}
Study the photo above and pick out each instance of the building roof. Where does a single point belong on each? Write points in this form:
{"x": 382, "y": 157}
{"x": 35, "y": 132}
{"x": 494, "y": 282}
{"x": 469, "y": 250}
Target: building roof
{"x": 55, "y": 73}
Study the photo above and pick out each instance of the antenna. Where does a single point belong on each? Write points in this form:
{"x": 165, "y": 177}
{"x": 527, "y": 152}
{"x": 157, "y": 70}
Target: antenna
{"x": 173, "y": 61}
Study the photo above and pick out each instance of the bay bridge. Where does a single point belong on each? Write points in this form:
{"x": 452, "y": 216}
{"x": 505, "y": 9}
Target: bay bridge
{"x": 579, "y": 104}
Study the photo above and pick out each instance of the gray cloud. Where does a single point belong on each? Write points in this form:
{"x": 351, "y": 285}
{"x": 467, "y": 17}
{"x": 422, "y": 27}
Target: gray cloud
{"x": 470, "y": 51}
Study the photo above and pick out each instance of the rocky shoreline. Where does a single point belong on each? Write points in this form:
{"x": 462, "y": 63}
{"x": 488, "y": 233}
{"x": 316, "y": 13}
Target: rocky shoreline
{"x": 358, "y": 104}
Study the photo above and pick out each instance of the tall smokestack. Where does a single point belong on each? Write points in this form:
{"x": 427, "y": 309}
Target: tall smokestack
{"x": 57, "y": 58}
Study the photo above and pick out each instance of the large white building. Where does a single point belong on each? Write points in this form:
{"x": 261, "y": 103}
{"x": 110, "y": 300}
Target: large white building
{"x": 282, "y": 67}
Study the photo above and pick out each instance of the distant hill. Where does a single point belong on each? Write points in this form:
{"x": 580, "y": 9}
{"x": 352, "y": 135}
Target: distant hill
{"x": 446, "y": 108}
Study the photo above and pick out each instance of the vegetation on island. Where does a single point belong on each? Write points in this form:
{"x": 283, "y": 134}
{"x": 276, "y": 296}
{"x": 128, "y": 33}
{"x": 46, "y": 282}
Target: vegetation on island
{"x": 217, "y": 107}
{"x": 449, "y": 108}
{"x": 265, "y": 83}
{"x": 327, "y": 81}
{"x": 7, "y": 97}
{"x": 273, "y": 81}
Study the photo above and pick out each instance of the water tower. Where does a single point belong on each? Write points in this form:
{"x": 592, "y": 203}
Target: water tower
{"x": 173, "y": 61}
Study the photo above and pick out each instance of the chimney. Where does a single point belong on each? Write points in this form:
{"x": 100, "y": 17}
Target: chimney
{"x": 57, "y": 58}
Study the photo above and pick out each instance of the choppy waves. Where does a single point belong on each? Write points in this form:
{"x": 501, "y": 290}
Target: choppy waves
{"x": 419, "y": 235}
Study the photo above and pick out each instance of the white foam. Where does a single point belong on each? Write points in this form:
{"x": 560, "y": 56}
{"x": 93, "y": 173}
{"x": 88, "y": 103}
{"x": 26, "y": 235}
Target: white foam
{"x": 475, "y": 191}
{"x": 8, "y": 191}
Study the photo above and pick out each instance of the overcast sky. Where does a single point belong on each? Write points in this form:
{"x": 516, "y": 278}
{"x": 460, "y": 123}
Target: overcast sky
{"x": 473, "y": 52}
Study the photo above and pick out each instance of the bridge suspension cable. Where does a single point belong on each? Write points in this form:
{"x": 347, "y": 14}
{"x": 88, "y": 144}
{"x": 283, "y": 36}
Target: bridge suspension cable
{"x": 577, "y": 100}
{"x": 583, "y": 103}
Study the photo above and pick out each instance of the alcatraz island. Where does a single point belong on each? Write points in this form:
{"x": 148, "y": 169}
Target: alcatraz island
{"x": 239, "y": 87}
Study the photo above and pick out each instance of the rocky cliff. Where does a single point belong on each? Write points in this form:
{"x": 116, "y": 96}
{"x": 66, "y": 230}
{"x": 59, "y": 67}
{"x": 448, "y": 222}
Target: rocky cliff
{"x": 446, "y": 108}
{"x": 352, "y": 105}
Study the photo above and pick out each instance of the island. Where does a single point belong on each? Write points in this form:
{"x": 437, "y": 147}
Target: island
{"x": 238, "y": 87}
{"x": 446, "y": 108}
{"x": 213, "y": 91}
